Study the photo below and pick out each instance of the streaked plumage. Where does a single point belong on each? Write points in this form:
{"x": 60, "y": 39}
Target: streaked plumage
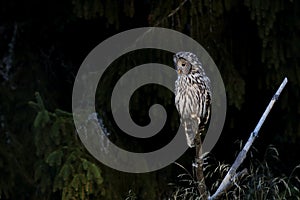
{"x": 192, "y": 95}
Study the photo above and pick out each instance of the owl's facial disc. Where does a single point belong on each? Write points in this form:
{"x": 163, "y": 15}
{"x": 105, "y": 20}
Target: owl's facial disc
{"x": 183, "y": 66}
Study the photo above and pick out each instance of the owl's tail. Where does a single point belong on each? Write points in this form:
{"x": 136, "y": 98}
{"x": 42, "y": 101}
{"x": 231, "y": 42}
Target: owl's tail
{"x": 191, "y": 129}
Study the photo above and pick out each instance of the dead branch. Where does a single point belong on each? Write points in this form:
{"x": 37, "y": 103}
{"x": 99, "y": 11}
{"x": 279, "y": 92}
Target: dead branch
{"x": 232, "y": 175}
{"x": 173, "y": 12}
{"x": 198, "y": 167}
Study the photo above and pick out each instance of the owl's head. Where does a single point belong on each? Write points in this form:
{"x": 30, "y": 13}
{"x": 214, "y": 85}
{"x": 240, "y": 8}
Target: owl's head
{"x": 186, "y": 62}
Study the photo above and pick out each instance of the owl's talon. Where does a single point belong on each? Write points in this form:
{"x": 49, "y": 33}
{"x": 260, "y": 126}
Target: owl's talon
{"x": 195, "y": 165}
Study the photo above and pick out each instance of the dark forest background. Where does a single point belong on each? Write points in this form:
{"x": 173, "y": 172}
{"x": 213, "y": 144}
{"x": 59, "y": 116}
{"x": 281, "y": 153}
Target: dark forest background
{"x": 255, "y": 44}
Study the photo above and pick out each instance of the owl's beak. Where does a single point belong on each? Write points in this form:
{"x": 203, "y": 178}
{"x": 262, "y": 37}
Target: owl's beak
{"x": 179, "y": 71}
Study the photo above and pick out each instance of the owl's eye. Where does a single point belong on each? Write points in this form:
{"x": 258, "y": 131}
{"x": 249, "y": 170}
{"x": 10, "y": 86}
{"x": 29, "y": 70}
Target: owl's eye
{"x": 181, "y": 62}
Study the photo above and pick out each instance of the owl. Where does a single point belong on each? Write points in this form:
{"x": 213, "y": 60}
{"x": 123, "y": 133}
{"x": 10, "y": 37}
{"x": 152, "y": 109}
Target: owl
{"x": 192, "y": 95}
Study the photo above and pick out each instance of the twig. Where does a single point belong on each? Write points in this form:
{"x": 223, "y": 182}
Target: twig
{"x": 230, "y": 177}
{"x": 173, "y": 12}
{"x": 186, "y": 171}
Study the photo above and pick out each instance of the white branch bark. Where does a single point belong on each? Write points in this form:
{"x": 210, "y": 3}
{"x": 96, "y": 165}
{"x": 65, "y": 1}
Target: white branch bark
{"x": 232, "y": 175}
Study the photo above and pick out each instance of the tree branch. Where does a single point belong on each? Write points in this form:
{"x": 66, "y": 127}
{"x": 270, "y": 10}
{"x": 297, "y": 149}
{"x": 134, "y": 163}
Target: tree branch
{"x": 198, "y": 167}
{"x": 173, "y": 12}
{"x": 231, "y": 176}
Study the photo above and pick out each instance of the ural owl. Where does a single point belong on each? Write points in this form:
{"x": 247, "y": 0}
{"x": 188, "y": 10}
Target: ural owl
{"x": 192, "y": 95}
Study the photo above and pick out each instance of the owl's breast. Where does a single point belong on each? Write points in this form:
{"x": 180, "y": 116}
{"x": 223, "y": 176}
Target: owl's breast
{"x": 187, "y": 98}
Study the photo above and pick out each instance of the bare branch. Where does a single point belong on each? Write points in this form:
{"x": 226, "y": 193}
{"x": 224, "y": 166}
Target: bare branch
{"x": 202, "y": 189}
{"x": 230, "y": 177}
{"x": 173, "y": 12}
